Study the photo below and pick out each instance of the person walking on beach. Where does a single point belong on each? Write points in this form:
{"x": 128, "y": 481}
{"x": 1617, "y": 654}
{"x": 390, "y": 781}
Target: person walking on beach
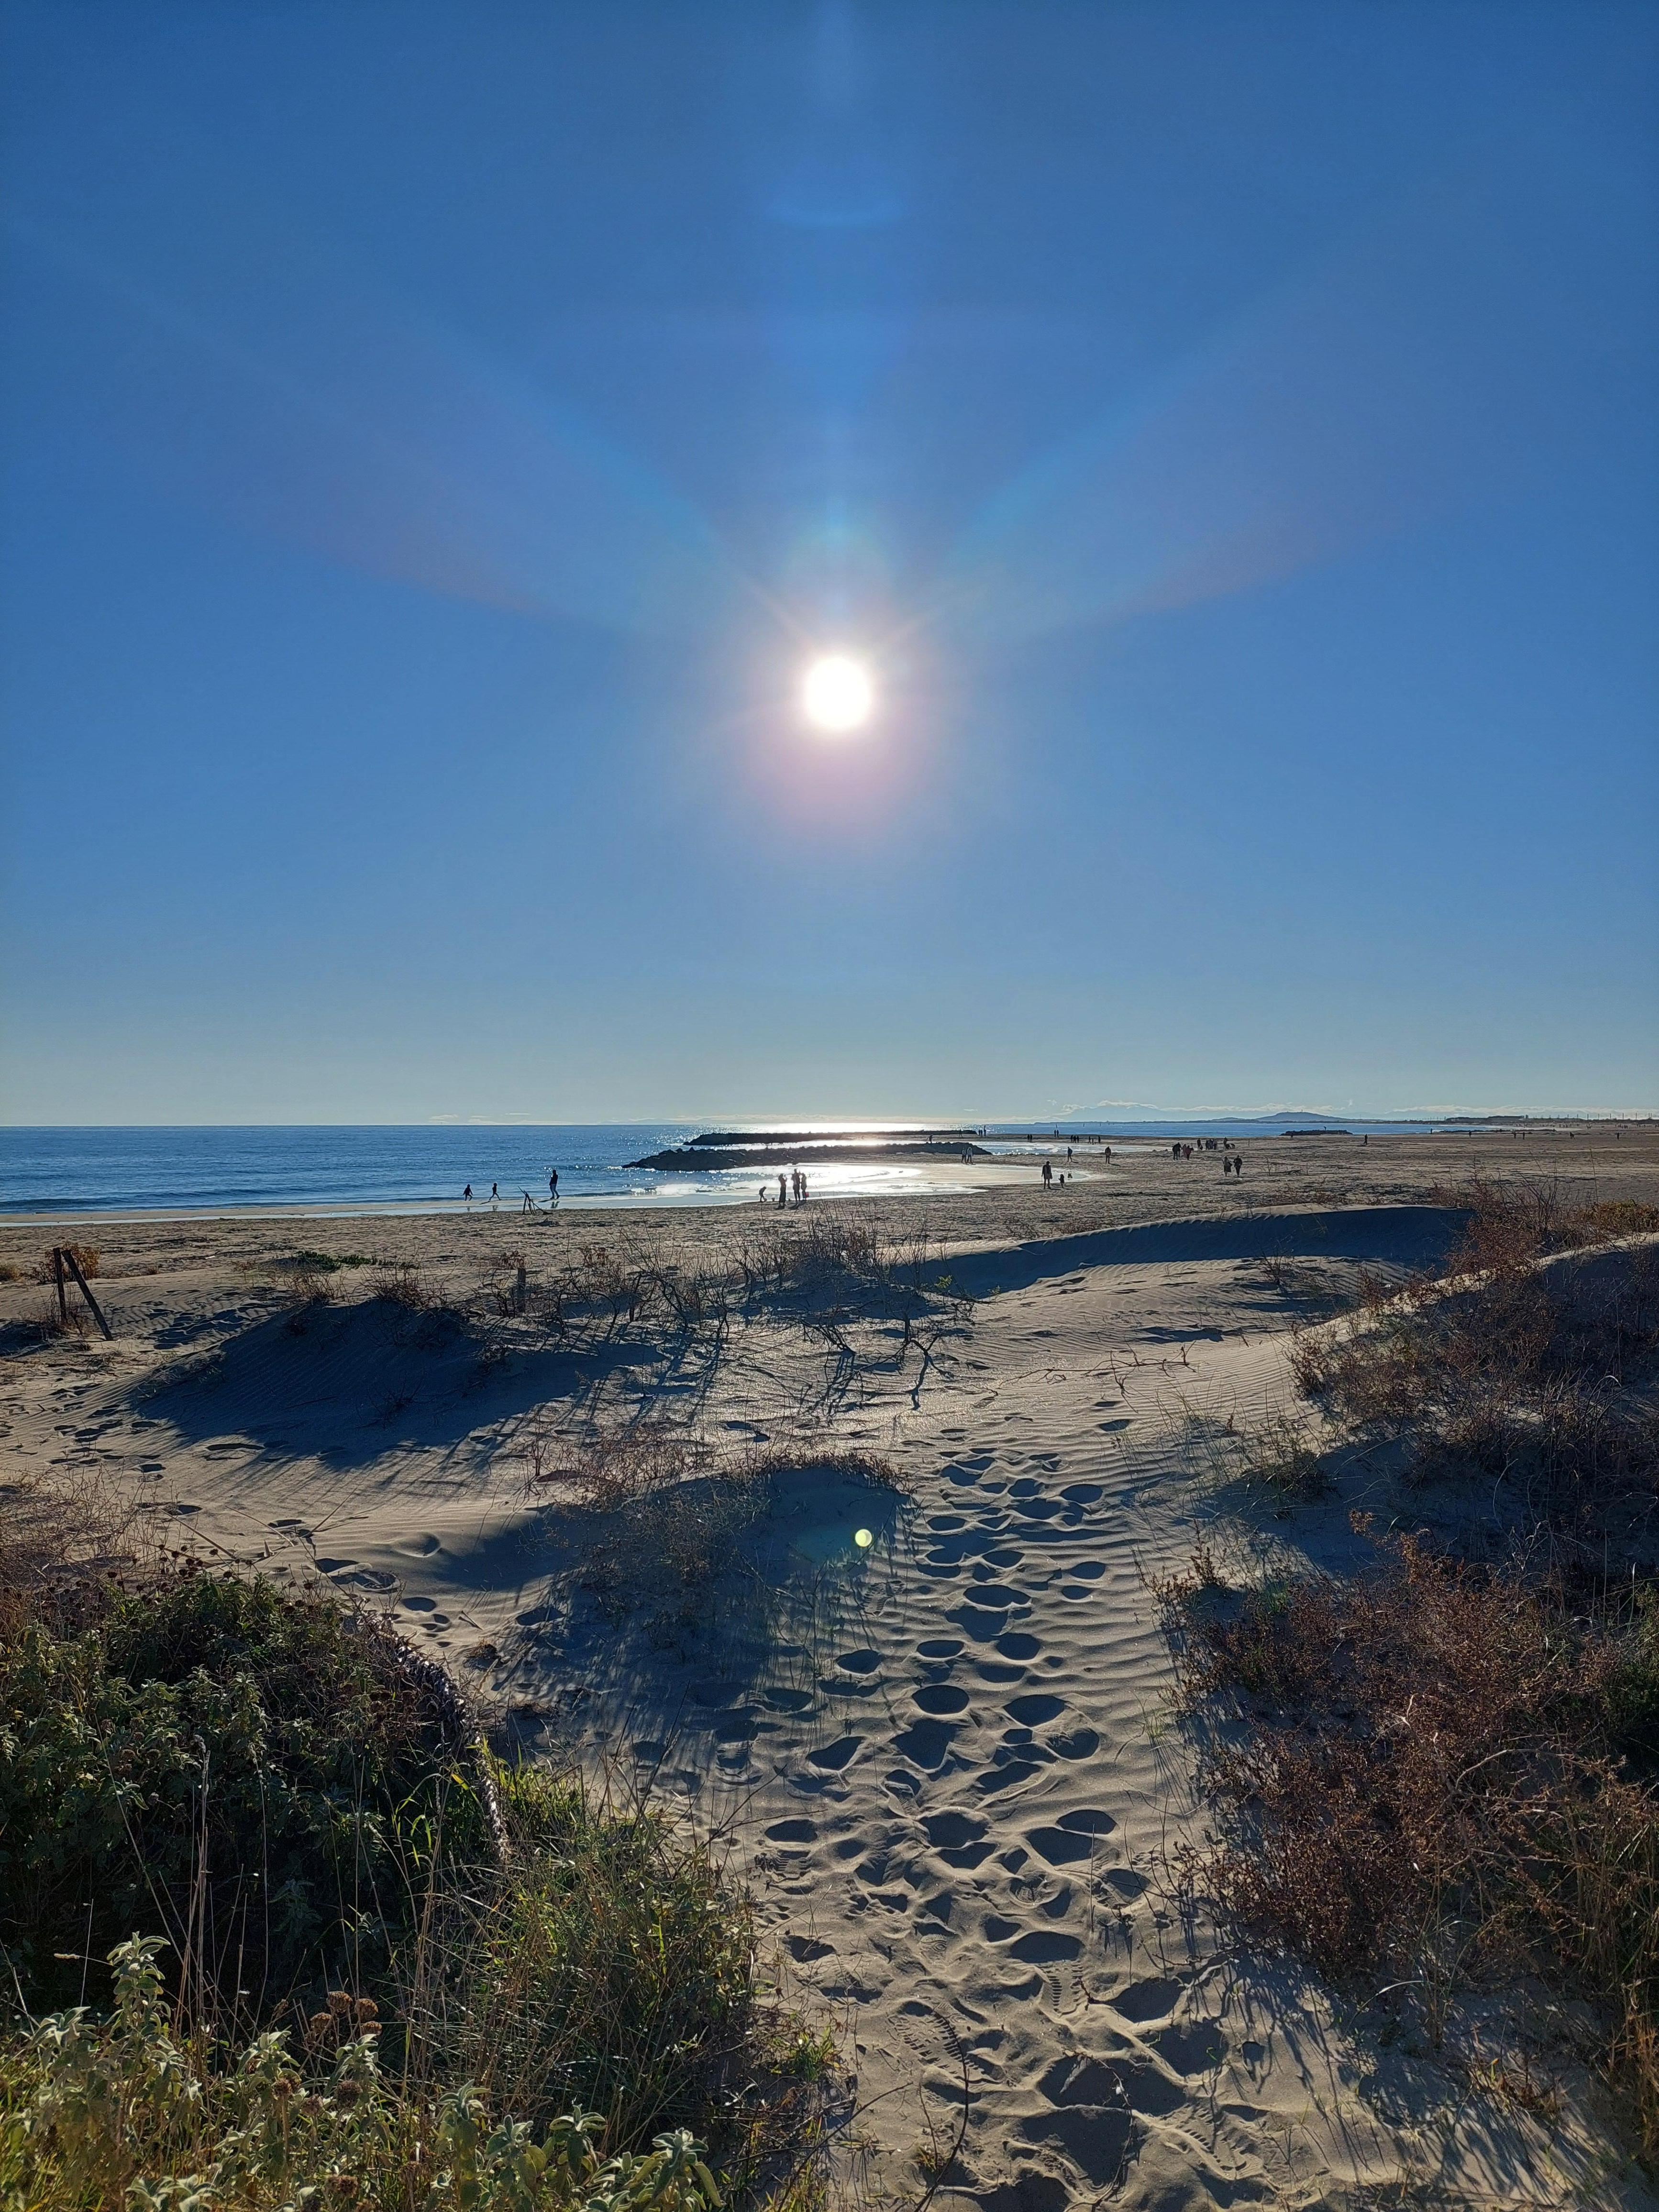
{"x": 552, "y": 1186}
{"x": 467, "y": 1194}
{"x": 782, "y": 1198}
{"x": 1047, "y": 1174}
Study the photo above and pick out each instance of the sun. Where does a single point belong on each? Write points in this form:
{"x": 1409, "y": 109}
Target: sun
{"x": 837, "y": 694}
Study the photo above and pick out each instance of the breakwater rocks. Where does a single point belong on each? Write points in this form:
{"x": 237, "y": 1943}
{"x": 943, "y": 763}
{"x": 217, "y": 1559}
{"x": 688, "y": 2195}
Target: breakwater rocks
{"x": 775, "y": 1151}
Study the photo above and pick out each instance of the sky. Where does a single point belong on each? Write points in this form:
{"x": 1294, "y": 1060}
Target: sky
{"x": 435, "y": 441}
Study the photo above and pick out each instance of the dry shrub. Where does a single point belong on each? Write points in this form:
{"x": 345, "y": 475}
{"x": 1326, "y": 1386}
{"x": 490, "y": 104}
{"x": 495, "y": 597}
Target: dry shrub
{"x": 1511, "y": 1369}
{"x": 305, "y": 1287}
{"x": 1433, "y": 1767}
{"x": 86, "y": 1256}
{"x": 405, "y": 1285}
{"x": 60, "y": 1543}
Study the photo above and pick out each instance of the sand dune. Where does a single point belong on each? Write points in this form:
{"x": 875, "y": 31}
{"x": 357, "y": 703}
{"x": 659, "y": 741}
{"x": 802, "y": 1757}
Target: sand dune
{"x": 946, "y": 1760}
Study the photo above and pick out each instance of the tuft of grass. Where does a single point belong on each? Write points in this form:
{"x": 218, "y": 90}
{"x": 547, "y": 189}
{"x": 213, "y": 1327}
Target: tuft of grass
{"x": 325, "y": 1263}
{"x": 1280, "y": 1458}
{"x": 406, "y": 1286}
{"x": 613, "y": 1970}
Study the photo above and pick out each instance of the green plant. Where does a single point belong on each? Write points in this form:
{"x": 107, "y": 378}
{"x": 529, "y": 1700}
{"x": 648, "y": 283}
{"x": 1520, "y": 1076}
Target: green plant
{"x": 612, "y": 1971}
{"x": 258, "y": 1774}
{"x": 99, "y": 2112}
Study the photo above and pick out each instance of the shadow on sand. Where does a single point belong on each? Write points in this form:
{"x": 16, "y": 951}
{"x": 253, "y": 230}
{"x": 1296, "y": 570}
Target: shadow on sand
{"x": 352, "y": 1383}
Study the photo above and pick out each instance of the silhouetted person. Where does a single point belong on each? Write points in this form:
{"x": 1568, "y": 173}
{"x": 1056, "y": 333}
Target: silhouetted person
{"x": 552, "y": 1186}
{"x": 1047, "y": 1174}
{"x": 494, "y": 1193}
{"x": 467, "y": 1194}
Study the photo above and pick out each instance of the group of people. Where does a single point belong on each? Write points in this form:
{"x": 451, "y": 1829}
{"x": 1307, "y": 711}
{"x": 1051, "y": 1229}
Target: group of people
{"x": 791, "y": 1186}
{"x": 529, "y": 1204}
{"x": 1049, "y": 1178}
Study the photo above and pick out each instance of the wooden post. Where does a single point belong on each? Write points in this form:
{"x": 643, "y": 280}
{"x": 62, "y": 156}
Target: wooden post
{"x": 97, "y": 1311}
{"x": 58, "y": 1277}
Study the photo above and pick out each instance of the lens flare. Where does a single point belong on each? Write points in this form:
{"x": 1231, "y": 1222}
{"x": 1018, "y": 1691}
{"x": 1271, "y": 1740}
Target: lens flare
{"x": 837, "y": 694}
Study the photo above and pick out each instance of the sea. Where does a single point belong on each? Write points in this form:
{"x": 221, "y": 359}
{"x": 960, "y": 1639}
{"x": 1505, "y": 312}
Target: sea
{"x": 428, "y": 1167}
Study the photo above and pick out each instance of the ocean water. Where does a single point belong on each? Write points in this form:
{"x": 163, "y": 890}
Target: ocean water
{"x": 403, "y": 1169}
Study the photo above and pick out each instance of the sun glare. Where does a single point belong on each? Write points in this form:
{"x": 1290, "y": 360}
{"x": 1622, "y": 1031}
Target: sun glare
{"x": 837, "y": 694}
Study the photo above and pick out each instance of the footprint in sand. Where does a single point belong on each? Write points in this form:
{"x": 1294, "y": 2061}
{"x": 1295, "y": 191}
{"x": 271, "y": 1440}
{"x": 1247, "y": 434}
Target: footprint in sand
{"x": 1064, "y": 1845}
{"x": 349, "y": 1576}
{"x": 1038, "y": 1508}
{"x": 1045, "y": 1946}
{"x": 941, "y": 1647}
{"x": 940, "y": 1698}
{"x": 927, "y": 1742}
{"x": 833, "y": 1757}
{"x": 951, "y": 1831}
{"x": 803, "y": 1949}
{"x": 1124, "y": 1881}
{"x": 1032, "y": 1711}
{"x": 1017, "y": 1645}
{"x": 1008, "y": 1769}
{"x": 1147, "y": 2001}
{"x": 1196, "y": 2048}
{"x": 1088, "y": 2118}
{"x": 1075, "y": 1743}
{"x": 793, "y": 1832}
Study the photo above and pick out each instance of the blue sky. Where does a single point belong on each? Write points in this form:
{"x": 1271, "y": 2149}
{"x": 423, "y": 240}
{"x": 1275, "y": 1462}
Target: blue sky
{"x": 437, "y": 439}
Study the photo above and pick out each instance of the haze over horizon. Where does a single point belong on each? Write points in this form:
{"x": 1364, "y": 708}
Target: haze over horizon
{"x": 440, "y": 443}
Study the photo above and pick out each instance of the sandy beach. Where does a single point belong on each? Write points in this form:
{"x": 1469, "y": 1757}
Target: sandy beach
{"x": 945, "y": 1757}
